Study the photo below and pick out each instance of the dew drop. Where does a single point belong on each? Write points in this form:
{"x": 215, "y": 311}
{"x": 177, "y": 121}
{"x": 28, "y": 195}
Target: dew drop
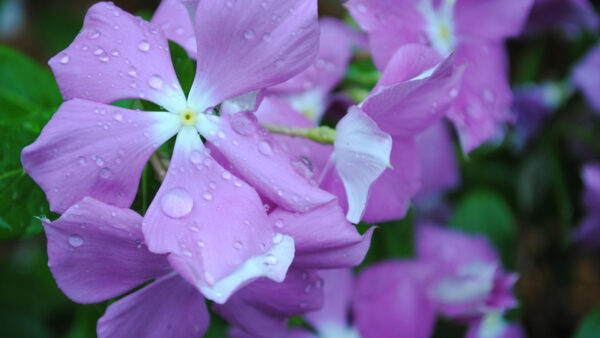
{"x": 307, "y": 288}
{"x": 98, "y": 51}
{"x": 64, "y": 60}
{"x": 75, "y": 240}
{"x": 242, "y": 124}
{"x": 118, "y": 117}
{"x": 82, "y": 160}
{"x": 226, "y": 175}
{"x": 207, "y": 196}
{"x": 105, "y": 173}
{"x": 271, "y": 260}
{"x": 99, "y": 161}
{"x": 453, "y": 92}
{"x": 249, "y": 34}
{"x": 303, "y": 166}
{"x": 210, "y": 279}
{"x": 155, "y": 82}
{"x": 177, "y": 203}
{"x": 361, "y": 8}
{"x": 278, "y": 238}
{"x": 267, "y": 37}
{"x": 265, "y": 148}
{"x": 238, "y": 245}
{"x": 279, "y": 223}
{"x": 94, "y": 34}
{"x": 196, "y": 157}
{"x": 144, "y": 46}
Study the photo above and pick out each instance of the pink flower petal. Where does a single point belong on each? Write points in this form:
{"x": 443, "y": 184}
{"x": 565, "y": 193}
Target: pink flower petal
{"x": 408, "y": 108}
{"x": 175, "y": 20}
{"x": 338, "y": 286}
{"x": 213, "y": 225}
{"x": 361, "y": 154}
{"x": 408, "y": 62}
{"x": 96, "y": 252}
{"x": 168, "y": 307}
{"x": 95, "y": 150}
{"x": 245, "y": 46}
{"x": 262, "y": 308}
{"x": 390, "y": 24}
{"x": 485, "y": 97}
{"x": 264, "y": 164}
{"x": 118, "y": 56}
{"x": 492, "y": 19}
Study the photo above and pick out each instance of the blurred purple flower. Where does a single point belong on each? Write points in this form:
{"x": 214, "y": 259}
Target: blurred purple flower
{"x": 97, "y": 150}
{"x": 586, "y": 77}
{"x": 473, "y": 29}
{"x": 472, "y": 281}
{"x": 571, "y": 16}
{"x": 589, "y": 229}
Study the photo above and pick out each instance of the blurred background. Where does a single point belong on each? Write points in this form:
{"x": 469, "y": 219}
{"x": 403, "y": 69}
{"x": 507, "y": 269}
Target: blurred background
{"x": 524, "y": 193}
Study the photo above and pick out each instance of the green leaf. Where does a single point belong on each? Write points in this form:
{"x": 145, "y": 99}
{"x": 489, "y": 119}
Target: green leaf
{"x": 185, "y": 67}
{"x": 590, "y": 326}
{"x": 485, "y": 212}
{"x": 28, "y": 98}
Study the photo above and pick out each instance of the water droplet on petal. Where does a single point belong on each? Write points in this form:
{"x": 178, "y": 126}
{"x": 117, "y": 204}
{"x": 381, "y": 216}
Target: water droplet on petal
{"x": 177, "y": 203}
{"x": 242, "y": 124}
{"x": 155, "y": 82}
{"x": 279, "y": 223}
{"x": 75, "y": 240}
{"x": 105, "y": 173}
{"x": 238, "y": 245}
{"x": 144, "y": 46}
{"x": 249, "y": 34}
{"x": 271, "y": 260}
{"x": 93, "y": 34}
{"x": 453, "y": 92}
{"x": 210, "y": 279}
{"x": 307, "y": 288}
{"x": 265, "y": 148}
{"x": 207, "y": 196}
{"x": 64, "y": 60}
{"x": 303, "y": 166}
{"x": 196, "y": 157}
{"x": 267, "y": 37}
{"x": 226, "y": 175}
{"x": 82, "y": 160}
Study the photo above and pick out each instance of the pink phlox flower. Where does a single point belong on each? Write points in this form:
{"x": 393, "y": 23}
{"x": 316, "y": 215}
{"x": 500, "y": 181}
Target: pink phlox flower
{"x": 212, "y": 223}
{"x": 474, "y": 30}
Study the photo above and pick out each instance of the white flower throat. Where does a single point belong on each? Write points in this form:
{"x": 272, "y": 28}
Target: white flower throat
{"x": 440, "y": 24}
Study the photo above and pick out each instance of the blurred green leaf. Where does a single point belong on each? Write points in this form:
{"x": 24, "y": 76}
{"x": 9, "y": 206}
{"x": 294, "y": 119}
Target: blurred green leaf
{"x": 485, "y": 212}
{"x": 590, "y": 326}
{"x": 28, "y": 97}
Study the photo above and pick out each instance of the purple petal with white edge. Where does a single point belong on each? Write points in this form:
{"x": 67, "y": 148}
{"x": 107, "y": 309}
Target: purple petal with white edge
{"x": 409, "y": 107}
{"x": 309, "y": 157}
{"x": 485, "y": 98}
{"x": 247, "y": 46}
{"x": 174, "y": 19}
{"x": 493, "y": 20}
{"x": 586, "y": 77}
{"x": 439, "y": 167}
{"x": 411, "y": 61}
{"x": 338, "y": 287}
{"x": 390, "y": 24}
{"x": 118, "y": 56}
{"x": 391, "y": 300}
{"x": 168, "y": 307}
{"x": 335, "y": 51}
{"x": 262, "y": 308}
{"x": 473, "y": 281}
{"x": 264, "y": 164}
{"x": 361, "y": 154}
{"x": 215, "y": 247}
{"x": 249, "y": 101}
{"x": 390, "y": 195}
{"x": 95, "y": 150}
{"x": 96, "y": 252}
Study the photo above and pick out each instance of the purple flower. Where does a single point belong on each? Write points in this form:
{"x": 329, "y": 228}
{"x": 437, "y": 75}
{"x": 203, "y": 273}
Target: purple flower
{"x": 96, "y": 252}
{"x": 471, "y": 280}
{"x": 324, "y": 240}
{"x": 93, "y": 149}
{"x": 586, "y": 77}
{"x": 589, "y": 229}
{"x": 572, "y": 16}
{"x": 474, "y": 30}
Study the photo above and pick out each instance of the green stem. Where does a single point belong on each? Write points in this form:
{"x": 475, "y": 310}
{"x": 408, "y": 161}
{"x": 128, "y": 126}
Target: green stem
{"x": 11, "y": 173}
{"x": 322, "y": 134}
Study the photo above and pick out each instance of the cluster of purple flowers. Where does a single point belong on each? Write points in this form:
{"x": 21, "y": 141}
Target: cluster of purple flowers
{"x": 256, "y": 209}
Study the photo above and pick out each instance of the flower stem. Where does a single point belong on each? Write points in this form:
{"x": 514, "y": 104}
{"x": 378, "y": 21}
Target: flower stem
{"x": 322, "y": 134}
